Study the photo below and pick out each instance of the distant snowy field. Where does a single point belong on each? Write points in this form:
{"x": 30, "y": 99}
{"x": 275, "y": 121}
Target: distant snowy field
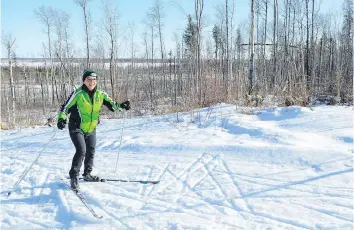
{"x": 284, "y": 168}
{"x": 37, "y": 64}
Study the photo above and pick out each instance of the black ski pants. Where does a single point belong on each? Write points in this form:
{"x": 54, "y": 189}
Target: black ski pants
{"x": 85, "y": 145}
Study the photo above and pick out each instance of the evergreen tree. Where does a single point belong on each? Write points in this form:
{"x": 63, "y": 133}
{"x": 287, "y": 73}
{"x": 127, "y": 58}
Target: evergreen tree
{"x": 189, "y": 37}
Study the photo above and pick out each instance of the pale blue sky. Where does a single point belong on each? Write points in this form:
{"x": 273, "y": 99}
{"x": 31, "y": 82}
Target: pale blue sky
{"x": 17, "y": 18}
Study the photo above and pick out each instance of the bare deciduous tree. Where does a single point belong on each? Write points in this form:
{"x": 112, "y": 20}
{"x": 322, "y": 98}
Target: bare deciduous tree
{"x": 251, "y": 51}
{"x": 199, "y": 7}
{"x": 110, "y": 24}
{"x": 45, "y": 14}
{"x": 9, "y": 42}
{"x": 157, "y": 12}
{"x": 87, "y": 20}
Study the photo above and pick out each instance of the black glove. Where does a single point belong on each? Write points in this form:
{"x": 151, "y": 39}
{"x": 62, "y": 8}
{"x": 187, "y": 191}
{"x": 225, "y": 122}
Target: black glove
{"x": 125, "y": 105}
{"x": 61, "y": 123}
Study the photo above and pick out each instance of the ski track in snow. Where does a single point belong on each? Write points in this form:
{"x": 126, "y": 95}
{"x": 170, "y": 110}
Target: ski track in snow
{"x": 283, "y": 168}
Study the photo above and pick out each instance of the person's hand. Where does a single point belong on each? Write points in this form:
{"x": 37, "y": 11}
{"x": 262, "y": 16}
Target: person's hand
{"x": 61, "y": 124}
{"x": 125, "y": 105}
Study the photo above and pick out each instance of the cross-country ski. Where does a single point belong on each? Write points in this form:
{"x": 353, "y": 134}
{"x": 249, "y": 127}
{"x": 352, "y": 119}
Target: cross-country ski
{"x": 83, "y": 200}
{"x": 123, "y": 180}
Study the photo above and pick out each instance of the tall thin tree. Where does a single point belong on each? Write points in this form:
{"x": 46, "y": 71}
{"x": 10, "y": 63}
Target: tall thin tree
{"x": 9, "y": 42}
{"x": 251, "y": 51}
{"x": 110, "y": 24}
{"x": 87, "y": 20}
{"x": 45, "y": 14}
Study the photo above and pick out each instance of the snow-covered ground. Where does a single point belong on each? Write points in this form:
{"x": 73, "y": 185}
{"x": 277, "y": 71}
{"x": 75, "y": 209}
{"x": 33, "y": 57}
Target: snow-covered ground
{"x": 284, "y": 168}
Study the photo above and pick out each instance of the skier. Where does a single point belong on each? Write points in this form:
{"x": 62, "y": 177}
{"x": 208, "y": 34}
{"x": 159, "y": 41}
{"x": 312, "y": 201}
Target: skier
{"x": 84, "y": 105}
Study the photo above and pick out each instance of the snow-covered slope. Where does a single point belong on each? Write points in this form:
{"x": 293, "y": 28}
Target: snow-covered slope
{"x": 284, "y": 168}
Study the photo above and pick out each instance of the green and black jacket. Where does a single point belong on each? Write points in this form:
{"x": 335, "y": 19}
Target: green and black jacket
{"x": 84, "y": 108}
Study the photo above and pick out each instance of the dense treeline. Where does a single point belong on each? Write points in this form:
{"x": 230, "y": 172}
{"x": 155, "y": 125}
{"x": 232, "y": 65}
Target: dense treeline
{"x": 286, "y": 50}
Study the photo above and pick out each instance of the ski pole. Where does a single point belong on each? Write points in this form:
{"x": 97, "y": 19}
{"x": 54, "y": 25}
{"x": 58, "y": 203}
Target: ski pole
{"x": 120, "y": 143}
{"x": 29, "y": 168}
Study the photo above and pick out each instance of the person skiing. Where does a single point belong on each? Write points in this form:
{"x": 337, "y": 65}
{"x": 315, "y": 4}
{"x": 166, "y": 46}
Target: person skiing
{"x": 84, "y": 105}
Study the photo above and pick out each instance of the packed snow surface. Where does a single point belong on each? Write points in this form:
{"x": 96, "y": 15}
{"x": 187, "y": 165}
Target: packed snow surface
{"x": 220, "y": 168}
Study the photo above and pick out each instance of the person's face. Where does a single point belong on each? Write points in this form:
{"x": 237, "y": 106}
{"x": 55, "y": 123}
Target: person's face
{"x": 90, "y": 82}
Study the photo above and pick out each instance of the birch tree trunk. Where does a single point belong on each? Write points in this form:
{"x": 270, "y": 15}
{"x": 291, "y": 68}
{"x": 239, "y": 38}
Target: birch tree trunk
{"x": 87, "y": 22}
{"x": 275, "y": 42}
{"x": 251, "y": 51}
{"x": 9, "y": 42}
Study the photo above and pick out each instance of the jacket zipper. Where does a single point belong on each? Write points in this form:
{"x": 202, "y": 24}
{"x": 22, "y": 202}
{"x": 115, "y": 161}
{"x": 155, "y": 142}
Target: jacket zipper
{"x": 92, "y": 103}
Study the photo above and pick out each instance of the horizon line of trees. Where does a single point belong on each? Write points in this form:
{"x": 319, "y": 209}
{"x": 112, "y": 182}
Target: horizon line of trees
{"x": 286, "y": 49}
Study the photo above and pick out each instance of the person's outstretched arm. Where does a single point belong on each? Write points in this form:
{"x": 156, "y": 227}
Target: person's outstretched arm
{"x": 114, "y": 106}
